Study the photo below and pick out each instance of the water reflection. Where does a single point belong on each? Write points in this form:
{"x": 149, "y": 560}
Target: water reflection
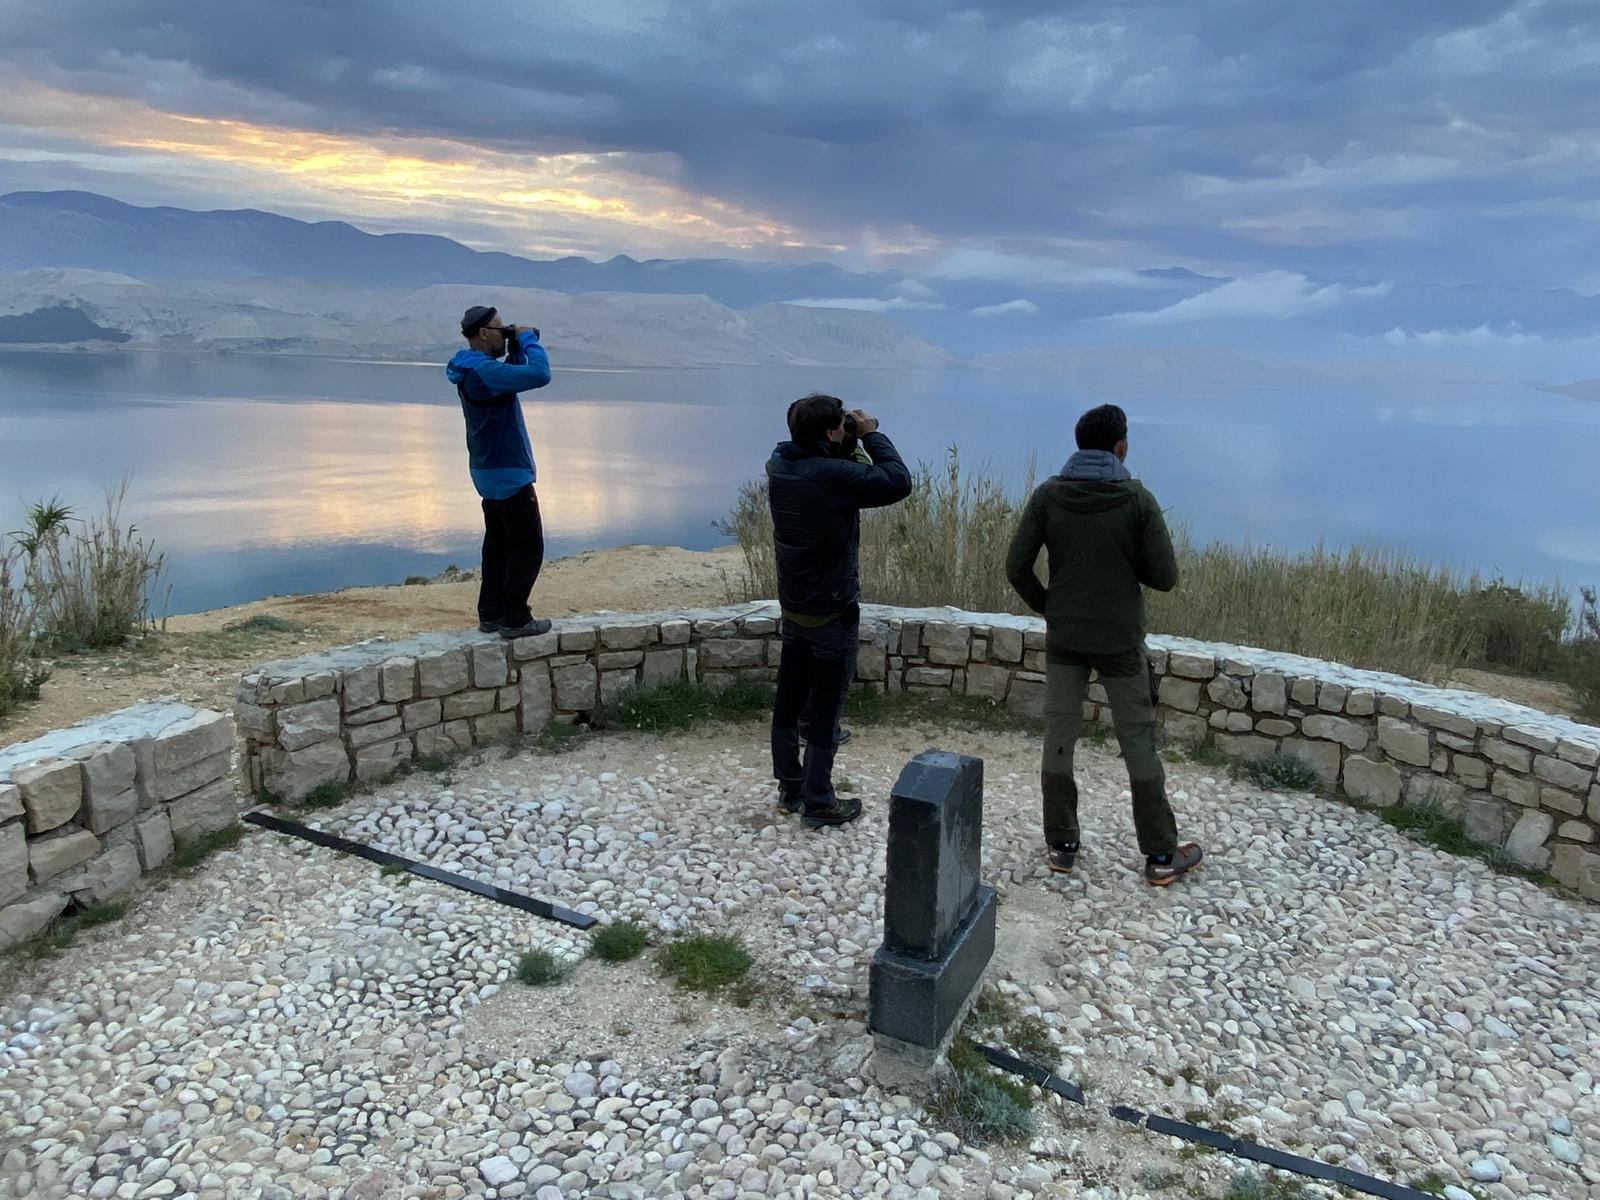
{"x": 269, "y": 475}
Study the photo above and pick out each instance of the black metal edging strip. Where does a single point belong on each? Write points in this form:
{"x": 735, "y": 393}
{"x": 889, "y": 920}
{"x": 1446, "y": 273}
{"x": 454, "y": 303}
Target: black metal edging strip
{"x": 1254, "y": 1152}
{"x": 1033, "y": 1073}
{"x": 527, "y": 904}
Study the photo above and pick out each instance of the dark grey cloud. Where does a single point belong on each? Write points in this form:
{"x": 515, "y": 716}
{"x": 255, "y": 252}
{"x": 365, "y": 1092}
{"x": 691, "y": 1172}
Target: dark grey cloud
{"x": 1446, "y": 140}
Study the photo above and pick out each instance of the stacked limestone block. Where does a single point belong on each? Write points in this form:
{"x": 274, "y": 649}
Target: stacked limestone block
{"x": 358, "y": 712}
{"x": 85, "y": 811}
{"x": 1520, "y": 778}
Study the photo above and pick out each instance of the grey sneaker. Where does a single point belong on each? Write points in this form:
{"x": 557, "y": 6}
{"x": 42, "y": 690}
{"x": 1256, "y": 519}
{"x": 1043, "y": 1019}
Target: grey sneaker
{"x": 789, "y": 799}
{"x": 533, "y": 628}
{"x": 488, "y": 626}
{"x": 1163, "y": 869}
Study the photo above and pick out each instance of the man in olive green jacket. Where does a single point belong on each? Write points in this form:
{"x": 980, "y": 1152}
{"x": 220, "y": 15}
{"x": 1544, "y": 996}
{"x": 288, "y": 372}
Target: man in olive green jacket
{"x": 1105, "y": 541}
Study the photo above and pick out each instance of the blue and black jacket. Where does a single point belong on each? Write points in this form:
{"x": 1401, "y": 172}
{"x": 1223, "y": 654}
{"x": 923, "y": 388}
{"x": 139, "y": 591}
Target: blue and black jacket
{"x": 498, "y": 451}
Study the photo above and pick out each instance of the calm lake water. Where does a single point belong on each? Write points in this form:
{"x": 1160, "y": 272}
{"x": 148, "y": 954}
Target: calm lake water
{"x": 275, "y": 475}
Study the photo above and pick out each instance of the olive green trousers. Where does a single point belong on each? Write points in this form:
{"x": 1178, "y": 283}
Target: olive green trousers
{"x": 1133, "y": 716}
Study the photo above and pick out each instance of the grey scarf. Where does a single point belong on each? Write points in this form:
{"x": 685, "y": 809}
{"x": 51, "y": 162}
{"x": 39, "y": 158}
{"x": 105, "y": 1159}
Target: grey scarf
{"x": 1099, "y": 465}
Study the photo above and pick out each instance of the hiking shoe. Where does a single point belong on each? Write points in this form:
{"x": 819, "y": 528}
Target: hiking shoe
{"x": 789, "y": 799}
{"x": 841, "y": 811}
{"x": 1062, "y": 857}
{"x": 1183, "y": 860}
{"x": 534, "y": 627}
{"x": 488, "y": 626}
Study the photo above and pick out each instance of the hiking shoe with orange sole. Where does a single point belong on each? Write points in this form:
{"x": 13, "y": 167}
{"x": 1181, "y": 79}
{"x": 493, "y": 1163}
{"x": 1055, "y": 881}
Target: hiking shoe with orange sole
{"x": 1180, "y": 862}
{"x": 1062, "y": 857}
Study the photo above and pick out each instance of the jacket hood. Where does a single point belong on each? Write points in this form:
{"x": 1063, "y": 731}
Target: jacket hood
{"x": 794, "y": 451}
{"x": 1090, "y": 495}
{"x": 463, "y": 361}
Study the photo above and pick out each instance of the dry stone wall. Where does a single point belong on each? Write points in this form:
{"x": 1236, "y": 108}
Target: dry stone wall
{"x": 85, "y": 811}
{"x": 1519, "y": 778}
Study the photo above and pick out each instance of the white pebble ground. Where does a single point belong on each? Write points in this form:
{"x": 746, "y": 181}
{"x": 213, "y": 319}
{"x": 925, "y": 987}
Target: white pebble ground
{"x": 287, "y": 1022}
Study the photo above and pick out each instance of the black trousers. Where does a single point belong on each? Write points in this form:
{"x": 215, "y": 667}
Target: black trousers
{"x": 814, "y": 677}
{"x": 513, "y": 552}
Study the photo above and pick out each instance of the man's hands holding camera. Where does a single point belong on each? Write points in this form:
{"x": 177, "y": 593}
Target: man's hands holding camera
{"x": 512, "y": 332}
{"x": 858, "y": 424}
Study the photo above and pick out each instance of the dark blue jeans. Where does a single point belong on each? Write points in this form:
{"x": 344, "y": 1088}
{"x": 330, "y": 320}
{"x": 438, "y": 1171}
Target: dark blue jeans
{"x": 814, "y": 676}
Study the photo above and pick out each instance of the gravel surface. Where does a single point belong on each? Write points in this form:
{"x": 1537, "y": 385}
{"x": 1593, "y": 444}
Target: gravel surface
{"x": 290, "y": 1023}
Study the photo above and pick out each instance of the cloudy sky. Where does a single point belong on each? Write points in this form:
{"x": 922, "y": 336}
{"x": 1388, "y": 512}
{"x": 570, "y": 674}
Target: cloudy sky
{"x": 1314, "y": 154}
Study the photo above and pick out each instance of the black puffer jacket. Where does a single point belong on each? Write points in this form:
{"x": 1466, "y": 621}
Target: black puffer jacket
{"x": 817, "y": 494}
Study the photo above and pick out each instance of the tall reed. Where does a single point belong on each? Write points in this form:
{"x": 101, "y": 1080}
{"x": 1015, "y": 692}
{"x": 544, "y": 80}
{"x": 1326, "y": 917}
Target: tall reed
{"x": 93, "y": 586}
{"x": 1362, "y": 605}
{"x": 21, "y": 673}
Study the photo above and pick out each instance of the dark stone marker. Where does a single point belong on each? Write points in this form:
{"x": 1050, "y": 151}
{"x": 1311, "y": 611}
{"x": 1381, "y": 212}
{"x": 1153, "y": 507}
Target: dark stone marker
{"x": 939, "y": 922}
{"x": 935, "y": 839}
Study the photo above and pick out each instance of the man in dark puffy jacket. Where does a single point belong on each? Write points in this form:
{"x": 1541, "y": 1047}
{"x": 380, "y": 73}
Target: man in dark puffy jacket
{"x": 1105, "y": 540}
{"x": 816, "y": 492}
{"x": 501, "y": 461}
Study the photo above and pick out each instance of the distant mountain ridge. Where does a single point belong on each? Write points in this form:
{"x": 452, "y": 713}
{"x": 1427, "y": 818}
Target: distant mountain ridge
{"x": 93, "y": 232}
{"x": 1034, "y": 312}
{"x": 1579, "y": 389}
{"x": 333, "y": 319}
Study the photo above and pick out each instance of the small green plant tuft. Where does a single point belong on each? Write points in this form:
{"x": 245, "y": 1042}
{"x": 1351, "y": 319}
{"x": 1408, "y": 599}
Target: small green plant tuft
{"x": 432, "y": 764}
{"x": 263, "y": 623}
{"x": 683, "y": 704}
{"x": 867, "y": 706}
{"x": 1030, "y": 1038}
{"x": 705, "y": 962}
{"x": 191, "y": 852}
{"x": 1247, "y": 1185}
{"x": 329, "y": 795}
{"x": 21, "y": 682}
{"x": 978, "y": 1104}
{"x": 1429, "y": 821}
{"x": 1159, "y": 1179}
{"x": 1000, "y": 1015}
{"x": 1275, "y": 772}
{"x": 1204, "y": 754}
{"x": 556, "y": 738}
{"x": 1279, "y": 773}
{"x": 540, "y": 968}
{"x": 619, "y": 941}
{"x": 63, "y": 931}
{"x": 993, "y": 1008}
{"x": 391, "y": 869}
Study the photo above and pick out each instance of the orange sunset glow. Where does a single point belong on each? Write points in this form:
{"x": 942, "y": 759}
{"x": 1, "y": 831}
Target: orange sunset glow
{"x": 524, "y": 202}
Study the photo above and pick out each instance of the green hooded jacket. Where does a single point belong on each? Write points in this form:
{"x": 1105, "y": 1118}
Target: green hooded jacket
{"x": 1103, "y": 541}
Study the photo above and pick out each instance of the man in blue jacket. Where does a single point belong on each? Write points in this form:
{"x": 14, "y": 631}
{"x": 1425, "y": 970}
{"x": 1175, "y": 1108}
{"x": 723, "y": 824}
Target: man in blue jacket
{"x": 816, "y": 492}
{"x": 501, "y": 462}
